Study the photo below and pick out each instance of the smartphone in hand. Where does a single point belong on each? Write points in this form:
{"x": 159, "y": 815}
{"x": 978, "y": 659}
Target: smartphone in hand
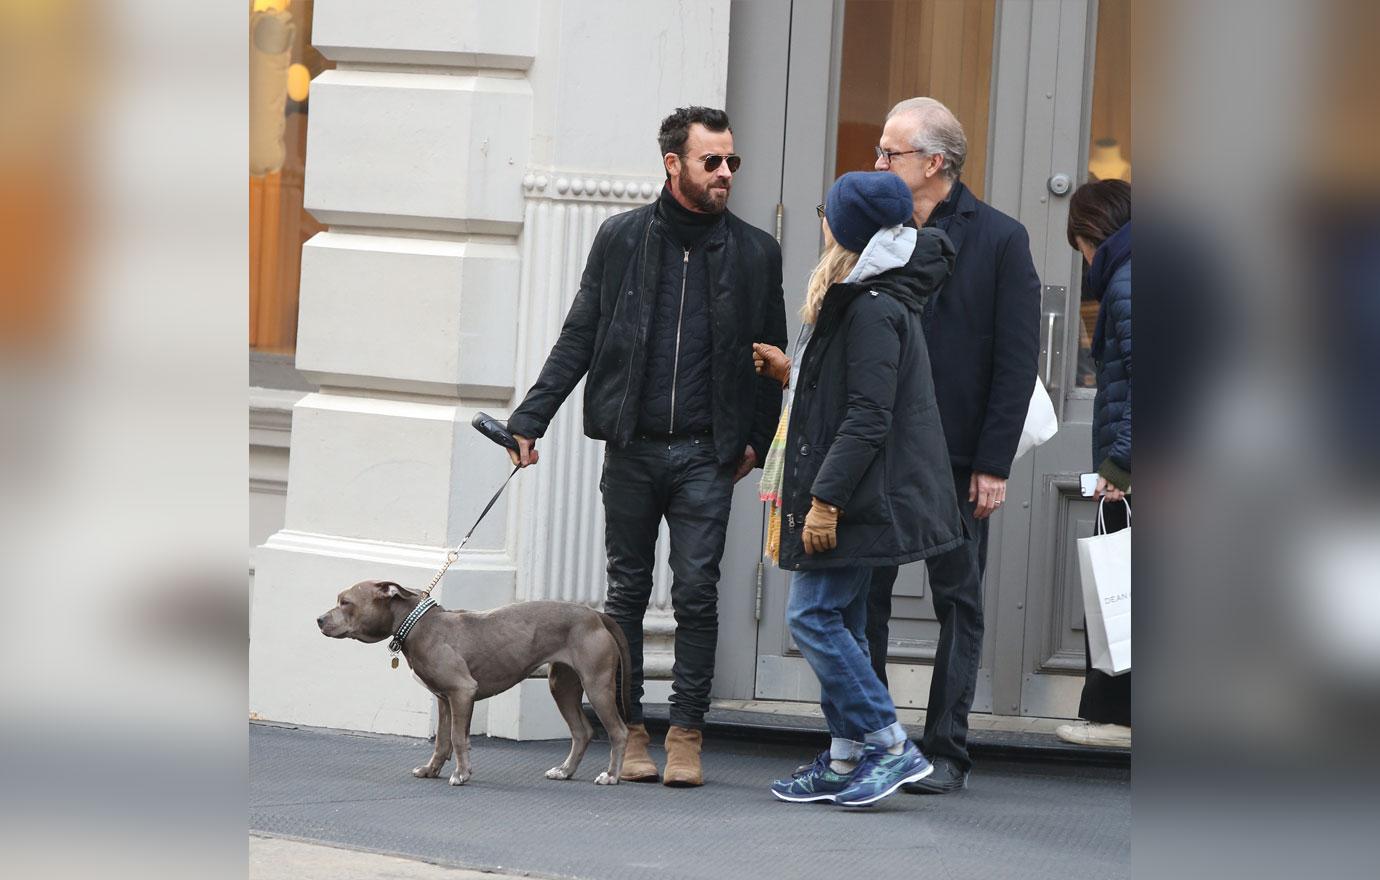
{"x": 1088, "y": 483}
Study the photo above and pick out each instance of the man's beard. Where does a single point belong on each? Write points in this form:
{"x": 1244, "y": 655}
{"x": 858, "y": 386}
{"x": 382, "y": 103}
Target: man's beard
{"x": 703, "y": 197}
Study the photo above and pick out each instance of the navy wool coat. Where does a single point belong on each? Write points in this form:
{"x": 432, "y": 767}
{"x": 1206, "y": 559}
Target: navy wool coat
{"x": 984, "y": 333}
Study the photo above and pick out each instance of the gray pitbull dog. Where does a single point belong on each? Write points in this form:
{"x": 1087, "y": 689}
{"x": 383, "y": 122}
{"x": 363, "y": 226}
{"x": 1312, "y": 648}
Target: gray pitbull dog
{"x": 463, "y": 656}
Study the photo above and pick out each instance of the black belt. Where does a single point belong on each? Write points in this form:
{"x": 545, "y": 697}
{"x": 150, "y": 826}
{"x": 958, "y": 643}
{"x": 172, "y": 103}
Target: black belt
{"x": 707, "y": 436}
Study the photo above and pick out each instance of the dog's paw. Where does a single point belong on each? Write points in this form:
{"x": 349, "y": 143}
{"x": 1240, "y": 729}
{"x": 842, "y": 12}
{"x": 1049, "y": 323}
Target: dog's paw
{"x": 426, "y": 771}
{"x": 605, "y": 779}
{"x": 458, "y": 778}
{"x": 557, "y": 773}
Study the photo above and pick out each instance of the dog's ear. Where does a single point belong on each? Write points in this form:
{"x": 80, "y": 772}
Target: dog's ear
{"x": 390, "y": 590}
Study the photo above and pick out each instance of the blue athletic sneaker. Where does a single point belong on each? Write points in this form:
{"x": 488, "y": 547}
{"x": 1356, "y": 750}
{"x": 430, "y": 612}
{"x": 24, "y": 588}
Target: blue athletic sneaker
{"x": 880, "y": 774}
{"x": 813, "y": 782}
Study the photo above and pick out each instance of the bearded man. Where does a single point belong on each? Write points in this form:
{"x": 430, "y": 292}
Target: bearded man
{"x": 673, "y": 296}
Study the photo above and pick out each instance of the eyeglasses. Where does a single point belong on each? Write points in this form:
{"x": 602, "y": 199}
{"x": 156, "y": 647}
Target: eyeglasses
{"x": 819, "y": 209}
{"x": 713, "y": 161}
{"x": 892, "y": 155}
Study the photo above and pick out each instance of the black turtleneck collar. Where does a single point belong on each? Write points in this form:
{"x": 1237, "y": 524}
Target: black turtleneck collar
{"x": 689, "y": 227}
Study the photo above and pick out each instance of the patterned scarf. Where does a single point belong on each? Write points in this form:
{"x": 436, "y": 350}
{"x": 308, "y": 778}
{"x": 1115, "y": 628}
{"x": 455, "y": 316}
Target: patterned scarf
{"x": 773, "y": 477}
{"x": 774, "y": 468}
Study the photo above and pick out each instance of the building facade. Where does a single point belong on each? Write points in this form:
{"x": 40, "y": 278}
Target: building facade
{"x": 459, "y": 157}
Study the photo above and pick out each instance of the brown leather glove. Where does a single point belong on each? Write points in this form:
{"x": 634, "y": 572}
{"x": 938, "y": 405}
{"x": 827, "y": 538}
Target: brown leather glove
{"x": 821, "y": 527}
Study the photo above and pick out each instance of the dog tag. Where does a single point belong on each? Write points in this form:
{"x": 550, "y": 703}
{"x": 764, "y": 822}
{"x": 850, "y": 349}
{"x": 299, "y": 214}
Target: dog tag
{"x": 395, "y": 663}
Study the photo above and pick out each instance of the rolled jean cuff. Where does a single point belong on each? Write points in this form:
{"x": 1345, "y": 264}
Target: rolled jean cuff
{"x": 891, "y": 735}
{"x": 689, "y": 722}
{"x": 845, "y": 750}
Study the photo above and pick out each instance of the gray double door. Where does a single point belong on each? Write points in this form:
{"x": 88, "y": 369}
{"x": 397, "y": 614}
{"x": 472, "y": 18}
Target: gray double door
{"x": 786, "y": 71}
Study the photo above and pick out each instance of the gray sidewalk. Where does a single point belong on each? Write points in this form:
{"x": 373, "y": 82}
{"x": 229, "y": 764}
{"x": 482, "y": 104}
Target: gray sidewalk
{"x": 280, "y": 858}
{"x": 1024, "y": 821}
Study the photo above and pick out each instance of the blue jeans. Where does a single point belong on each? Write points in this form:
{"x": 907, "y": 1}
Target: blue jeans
{"x": 827, "y": 615}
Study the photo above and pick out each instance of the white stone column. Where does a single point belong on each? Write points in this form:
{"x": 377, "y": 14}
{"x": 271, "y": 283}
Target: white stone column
{"x": 417, "y": 145}
{"x": 463, "y": 154}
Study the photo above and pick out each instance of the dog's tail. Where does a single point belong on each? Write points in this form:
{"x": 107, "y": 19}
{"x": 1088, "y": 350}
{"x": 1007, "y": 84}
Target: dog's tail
{"x": 624, "y": 666}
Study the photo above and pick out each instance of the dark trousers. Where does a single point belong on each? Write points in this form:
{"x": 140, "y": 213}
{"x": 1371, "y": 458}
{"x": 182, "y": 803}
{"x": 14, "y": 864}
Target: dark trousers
{"x": 1106, "y": 698}
{"x": 681, "y": 481}
{"x": 956, "y": 591}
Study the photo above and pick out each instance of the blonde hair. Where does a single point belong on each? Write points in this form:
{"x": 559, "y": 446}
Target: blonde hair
{"x": 834, "y": 265}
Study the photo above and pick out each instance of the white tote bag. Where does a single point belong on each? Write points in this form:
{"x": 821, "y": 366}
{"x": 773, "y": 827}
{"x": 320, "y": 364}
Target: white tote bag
{"x": 1040, "y": 421}
{"x": 1105, "y": 563}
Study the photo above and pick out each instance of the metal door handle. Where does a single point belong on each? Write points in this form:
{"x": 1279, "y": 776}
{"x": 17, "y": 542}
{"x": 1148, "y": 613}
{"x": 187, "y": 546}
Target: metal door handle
{"x": 1050, "y": 318}
{"x": 1054, "y": 306}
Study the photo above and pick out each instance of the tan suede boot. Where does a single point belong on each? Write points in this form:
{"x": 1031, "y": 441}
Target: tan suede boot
{"x": 683, "y": 757}
{"x": 637, "y": 763}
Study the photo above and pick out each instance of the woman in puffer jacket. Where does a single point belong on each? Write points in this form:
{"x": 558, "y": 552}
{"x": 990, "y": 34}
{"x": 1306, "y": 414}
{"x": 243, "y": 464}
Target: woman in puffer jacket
{"x": 858, "y": 475}
{"x": 1100, "y": 229}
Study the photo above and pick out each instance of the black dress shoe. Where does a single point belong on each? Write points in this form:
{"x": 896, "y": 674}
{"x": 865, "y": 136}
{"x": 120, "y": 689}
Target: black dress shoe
{"x": 946, "y": 778}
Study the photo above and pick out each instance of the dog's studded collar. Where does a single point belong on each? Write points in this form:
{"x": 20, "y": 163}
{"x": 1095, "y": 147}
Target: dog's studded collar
{"x": 422, "y": 608}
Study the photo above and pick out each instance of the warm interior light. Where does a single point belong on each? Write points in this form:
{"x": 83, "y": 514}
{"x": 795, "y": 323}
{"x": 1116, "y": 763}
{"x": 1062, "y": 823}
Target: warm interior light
{"x": 271, "y": 5}
{"x": 298, "y": 82}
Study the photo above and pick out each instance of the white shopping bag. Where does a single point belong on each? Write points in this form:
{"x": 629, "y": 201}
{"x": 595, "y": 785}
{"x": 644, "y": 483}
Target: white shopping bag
{"x": 1040, "y": 421}
{"x": 1105, "y": 563}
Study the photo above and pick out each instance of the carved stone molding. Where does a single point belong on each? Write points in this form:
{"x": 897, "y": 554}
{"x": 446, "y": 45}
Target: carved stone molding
{"x": 562, "y": 186}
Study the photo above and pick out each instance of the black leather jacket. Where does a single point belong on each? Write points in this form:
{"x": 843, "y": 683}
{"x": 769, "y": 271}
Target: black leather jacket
{"x": 607, "y": 329}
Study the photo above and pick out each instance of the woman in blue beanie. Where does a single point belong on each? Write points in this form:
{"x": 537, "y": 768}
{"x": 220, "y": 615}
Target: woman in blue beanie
{"x": 858, "y": 474}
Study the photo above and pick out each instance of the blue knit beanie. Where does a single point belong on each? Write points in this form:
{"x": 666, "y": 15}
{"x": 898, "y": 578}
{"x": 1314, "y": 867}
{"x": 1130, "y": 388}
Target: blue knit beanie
{"x": 862, "y": 202}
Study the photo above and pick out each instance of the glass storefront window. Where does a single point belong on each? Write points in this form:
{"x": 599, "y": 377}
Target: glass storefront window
{"x": 282, "y": 64}
{"x": 1109, "y": 151}
{"x": 898, "y": 49}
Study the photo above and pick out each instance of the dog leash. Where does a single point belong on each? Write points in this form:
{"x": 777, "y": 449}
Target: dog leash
{"x": 428, "y": 603}
{"x": 454, "y": 554}
{"x": 497, "y": 432}
{"x": 491, "y": 428}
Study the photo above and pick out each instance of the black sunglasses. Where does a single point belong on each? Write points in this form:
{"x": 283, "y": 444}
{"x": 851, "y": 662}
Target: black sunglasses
{"x": 713, "y": 161}
{"x": 819, "y": 209}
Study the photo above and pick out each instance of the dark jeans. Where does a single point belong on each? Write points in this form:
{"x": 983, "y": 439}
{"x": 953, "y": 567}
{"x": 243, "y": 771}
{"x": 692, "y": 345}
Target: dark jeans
{"x": 956, "y": 591}
{"x": 679, "y": 480}
{"x": 1106, "y": 698}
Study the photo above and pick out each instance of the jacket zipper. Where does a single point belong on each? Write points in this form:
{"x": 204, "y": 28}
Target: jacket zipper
{"x": 627, "y": 385}
{"x": 680, "y": 320}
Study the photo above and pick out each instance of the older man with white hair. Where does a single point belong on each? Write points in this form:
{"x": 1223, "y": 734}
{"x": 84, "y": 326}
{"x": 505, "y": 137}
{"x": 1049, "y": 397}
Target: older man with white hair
{"x": 983, "y": 336}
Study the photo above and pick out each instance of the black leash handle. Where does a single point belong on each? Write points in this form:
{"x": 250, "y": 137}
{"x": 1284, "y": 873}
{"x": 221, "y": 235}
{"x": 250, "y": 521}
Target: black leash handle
{"x": 495, "y": 430}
